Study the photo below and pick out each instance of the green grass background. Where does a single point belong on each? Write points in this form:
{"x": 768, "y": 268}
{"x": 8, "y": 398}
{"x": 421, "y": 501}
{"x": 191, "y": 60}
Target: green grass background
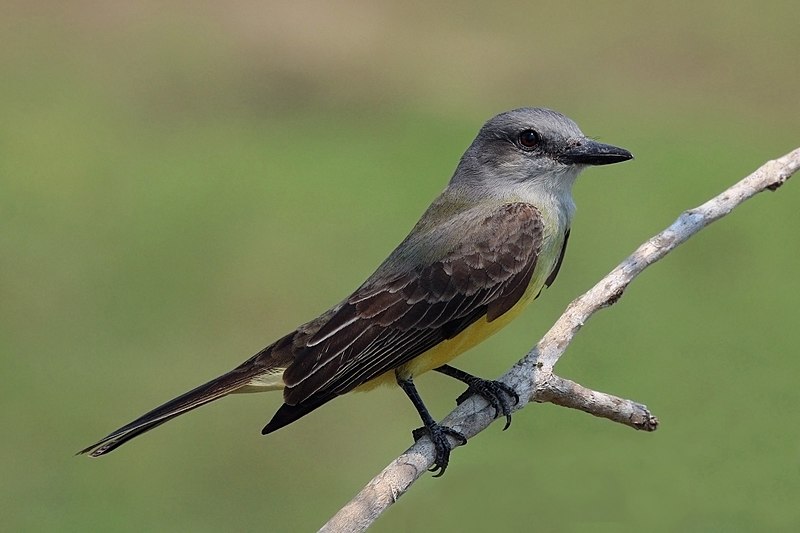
{"x": 183, "y": 182}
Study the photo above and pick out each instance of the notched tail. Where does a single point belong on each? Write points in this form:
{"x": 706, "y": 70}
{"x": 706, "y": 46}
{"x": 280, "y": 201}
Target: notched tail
{"x": 208, "y": 392}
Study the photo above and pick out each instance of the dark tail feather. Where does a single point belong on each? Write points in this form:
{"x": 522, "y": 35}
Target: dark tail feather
{"x": 208, "y": 392}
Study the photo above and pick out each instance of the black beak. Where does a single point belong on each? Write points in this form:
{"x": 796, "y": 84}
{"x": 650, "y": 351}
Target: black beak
{"x": 588, "y": 152}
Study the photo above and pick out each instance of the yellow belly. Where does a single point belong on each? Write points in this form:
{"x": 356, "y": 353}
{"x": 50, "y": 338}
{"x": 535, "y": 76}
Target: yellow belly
{"x": 448, "y": 350}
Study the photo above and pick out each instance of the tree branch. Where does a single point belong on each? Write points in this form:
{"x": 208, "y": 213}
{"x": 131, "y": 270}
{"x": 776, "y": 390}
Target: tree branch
{"x": 566, "y": 393}
{"x": 533, "y": 378}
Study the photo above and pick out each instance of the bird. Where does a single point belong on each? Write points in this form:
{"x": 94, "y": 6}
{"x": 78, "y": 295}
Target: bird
{"x": 482, "y": 251}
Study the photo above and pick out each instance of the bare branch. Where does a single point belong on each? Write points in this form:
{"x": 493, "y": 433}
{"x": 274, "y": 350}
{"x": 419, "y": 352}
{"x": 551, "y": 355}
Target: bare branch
{"x": 532, "y": 377}
{"x": 566, "y": 393}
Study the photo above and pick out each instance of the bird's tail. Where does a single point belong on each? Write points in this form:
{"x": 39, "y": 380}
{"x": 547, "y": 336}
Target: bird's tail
{"x": 216, "y": 388}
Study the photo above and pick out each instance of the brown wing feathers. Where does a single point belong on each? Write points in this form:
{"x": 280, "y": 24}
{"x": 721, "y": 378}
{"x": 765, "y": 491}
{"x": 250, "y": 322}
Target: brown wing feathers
{"x": 385, "y": 324}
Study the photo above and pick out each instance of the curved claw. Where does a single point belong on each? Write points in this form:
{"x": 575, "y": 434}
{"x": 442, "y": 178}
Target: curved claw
{"x": 495, "y": 393}
{"x": 441, "y": 445}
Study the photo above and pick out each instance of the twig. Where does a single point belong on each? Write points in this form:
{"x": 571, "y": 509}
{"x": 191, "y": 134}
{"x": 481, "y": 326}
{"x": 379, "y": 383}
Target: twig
{"x": 533, "y": 378}
{"x": 566, "y": 393}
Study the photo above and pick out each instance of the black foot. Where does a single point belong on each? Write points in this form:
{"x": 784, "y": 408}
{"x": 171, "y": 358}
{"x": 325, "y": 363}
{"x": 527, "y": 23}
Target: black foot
{"x": 495, "y": 392}
{"x": 441, "y": 445}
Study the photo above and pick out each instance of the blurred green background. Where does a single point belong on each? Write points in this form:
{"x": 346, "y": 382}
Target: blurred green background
{"x": 183, "y": 182}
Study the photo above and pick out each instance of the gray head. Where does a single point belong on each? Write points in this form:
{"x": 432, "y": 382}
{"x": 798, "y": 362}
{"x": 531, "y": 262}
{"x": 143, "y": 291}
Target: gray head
{"x": 532, "y": 147}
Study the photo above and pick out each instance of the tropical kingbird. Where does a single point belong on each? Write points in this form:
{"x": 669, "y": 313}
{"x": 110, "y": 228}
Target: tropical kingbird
{"x": 481, "y": 252}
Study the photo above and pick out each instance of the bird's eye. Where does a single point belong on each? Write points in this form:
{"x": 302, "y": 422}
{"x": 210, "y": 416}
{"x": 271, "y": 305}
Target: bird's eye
{"x": 528, "y": 139}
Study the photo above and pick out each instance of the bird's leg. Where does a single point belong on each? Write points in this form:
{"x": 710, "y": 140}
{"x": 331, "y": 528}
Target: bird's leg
{"x": 437, "y": 433}
{"x": 494, "y": 392}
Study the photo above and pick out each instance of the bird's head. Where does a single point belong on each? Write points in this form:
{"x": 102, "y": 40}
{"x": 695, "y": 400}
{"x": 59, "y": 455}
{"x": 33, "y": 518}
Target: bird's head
{"x": 532, "y": 147}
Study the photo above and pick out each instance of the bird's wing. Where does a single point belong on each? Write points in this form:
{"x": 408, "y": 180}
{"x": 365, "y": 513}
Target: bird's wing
{"x": 393, "y": 318}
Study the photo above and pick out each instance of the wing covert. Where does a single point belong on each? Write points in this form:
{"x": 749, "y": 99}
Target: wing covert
{"x": 401, "y": 313}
